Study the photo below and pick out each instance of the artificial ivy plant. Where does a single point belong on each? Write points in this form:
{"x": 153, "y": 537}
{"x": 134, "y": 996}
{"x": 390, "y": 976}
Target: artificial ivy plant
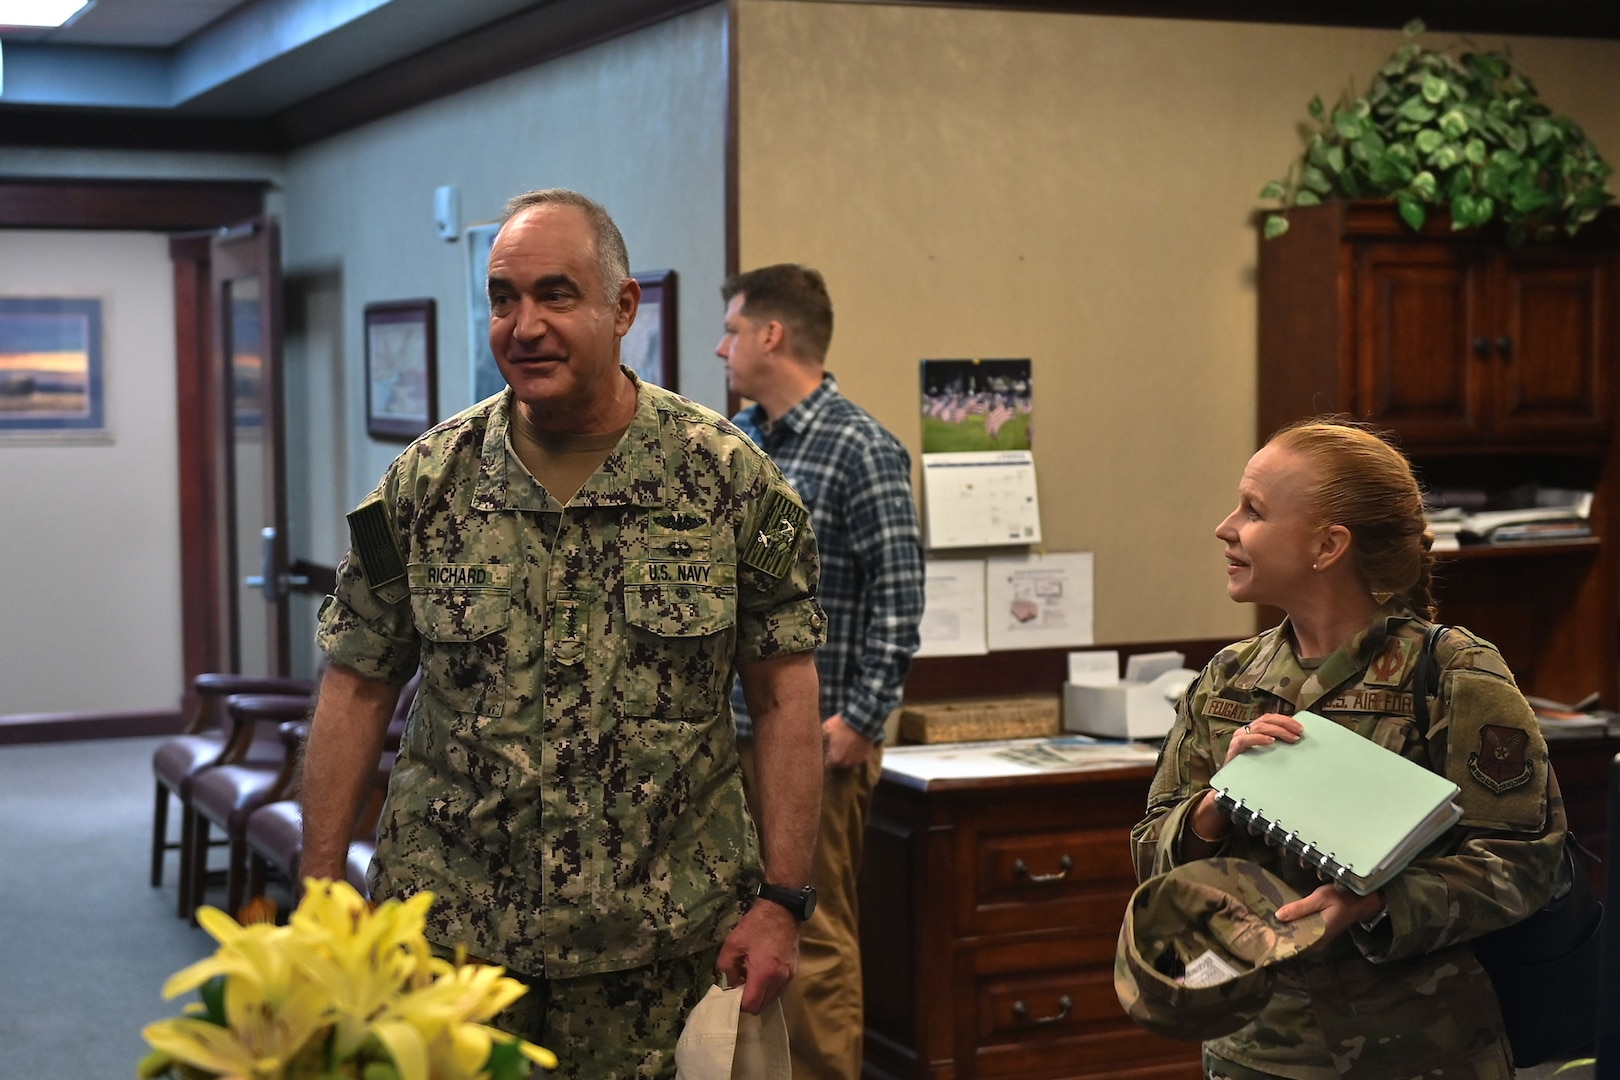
{"x": 1462, "y": 133}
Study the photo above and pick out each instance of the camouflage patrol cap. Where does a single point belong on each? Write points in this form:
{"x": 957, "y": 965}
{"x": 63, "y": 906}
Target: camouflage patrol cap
{"x": 1196, "y": 951}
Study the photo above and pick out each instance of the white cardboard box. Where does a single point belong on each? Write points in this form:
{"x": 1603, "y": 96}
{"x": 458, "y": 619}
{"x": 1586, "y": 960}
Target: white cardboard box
{"x": 1126, "y": 710}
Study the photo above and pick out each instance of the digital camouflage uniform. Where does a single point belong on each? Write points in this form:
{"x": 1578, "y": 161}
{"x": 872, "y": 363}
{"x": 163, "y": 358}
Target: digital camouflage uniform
{"x": 568, "y": 783}
{"x": 1407, "y": 997}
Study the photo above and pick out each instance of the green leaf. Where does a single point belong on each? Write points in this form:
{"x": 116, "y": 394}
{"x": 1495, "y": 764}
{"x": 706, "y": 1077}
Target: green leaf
{"x": 1347, "y": 124}
{"x": 1316, "y": 180}
{"x": 1544, "y": 131}
{"x": 1417, "y": 110}
{"x": 1275, "y": 226}
{"x": 1446, "y": 157}
{"x": 1272, "y": 190}
{"x": 1462, "y": 211}
{"x": 212, "y": 993}
{"x": 1411, "y": 211}
{"x": 1474, "y": 151}
{"x": 1435, "y": 89}
{"x": 1335, "y": 158}
{"x": 1454, "y": 125}
{"x": 1428, "y": 140}
{"x": 1306, "y": 197}
{"x": 1316, "y": 108}
{"x": 1413, "y": 28}
{"x": 1423, "y": 184}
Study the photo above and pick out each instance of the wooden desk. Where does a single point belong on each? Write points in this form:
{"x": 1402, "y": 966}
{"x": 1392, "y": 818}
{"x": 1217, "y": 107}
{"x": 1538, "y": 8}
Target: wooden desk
{"x": 989, "y": 915}
{"x": 986, "y": 955}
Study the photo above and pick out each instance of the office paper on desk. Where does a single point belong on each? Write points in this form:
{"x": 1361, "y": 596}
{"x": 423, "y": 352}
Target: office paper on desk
{"x": 1013, "y": 757}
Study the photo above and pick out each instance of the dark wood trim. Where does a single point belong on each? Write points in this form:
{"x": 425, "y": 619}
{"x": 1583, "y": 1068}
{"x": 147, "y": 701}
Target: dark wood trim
{"x": 137, "y": 129}
{"x": 1547, "y": 18}
{"x": 148, "y": 205}
{"x": 199, "y": 566}
{"x": 732, "y": 162}
{"x": 22, "y": 728}
{"x": 1027, "y": 671}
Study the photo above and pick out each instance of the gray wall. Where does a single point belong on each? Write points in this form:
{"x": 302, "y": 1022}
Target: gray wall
{"x": 637, "y": 123}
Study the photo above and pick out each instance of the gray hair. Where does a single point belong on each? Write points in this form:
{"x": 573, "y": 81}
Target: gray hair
{"x": 612, "y": 259}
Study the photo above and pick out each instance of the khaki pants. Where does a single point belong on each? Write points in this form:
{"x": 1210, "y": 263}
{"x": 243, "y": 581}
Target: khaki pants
{"x": 825, "y": 1009}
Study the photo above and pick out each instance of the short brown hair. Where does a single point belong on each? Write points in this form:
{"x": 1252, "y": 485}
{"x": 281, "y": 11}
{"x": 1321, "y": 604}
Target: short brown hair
{"x": 1361, "y": 481}
{"x": 612, "y": 258}
{"x": 793, "y": 294}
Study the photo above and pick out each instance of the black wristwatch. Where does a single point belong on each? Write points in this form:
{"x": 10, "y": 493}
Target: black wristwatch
{"x": 802, "y": 902}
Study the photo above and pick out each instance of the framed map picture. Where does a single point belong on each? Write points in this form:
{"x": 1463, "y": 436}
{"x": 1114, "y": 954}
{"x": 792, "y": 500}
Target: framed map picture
{"x": 649, "y": 348}
{"x": 401, "y": 380}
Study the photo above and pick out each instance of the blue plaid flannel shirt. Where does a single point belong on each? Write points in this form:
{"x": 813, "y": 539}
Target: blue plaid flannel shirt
{"x": 856, "y": 479}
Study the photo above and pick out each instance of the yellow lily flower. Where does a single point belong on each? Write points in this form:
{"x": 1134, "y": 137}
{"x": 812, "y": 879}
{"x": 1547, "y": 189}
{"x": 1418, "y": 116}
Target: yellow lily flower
{"x": 341, "y": 987}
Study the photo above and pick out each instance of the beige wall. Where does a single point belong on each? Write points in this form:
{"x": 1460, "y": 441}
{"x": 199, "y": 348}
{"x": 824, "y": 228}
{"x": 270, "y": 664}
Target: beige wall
{"x": 1075, "y": 189}
{"x": 90, "y": 528}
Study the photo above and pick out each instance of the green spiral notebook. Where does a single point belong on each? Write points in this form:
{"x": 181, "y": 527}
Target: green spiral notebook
{"x": 1349, "y": 808}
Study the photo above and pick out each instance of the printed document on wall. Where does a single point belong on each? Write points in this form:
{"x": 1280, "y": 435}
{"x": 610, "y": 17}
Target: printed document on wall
{"x": 981, "y": 499}
{"x": 1039, "y": 601}
{"x": 953, "y": 608}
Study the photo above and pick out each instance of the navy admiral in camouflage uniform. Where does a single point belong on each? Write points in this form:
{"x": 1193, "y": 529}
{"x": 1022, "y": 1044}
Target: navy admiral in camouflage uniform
{"x": 579, "y": 565}
{"x": 1330, "y": 528}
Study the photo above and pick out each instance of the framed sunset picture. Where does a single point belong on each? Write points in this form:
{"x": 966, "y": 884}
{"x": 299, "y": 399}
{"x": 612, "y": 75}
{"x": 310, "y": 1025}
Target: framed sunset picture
{"x": 51, "y": 379}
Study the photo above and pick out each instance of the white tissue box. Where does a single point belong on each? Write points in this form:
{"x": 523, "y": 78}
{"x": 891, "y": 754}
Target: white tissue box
{"x": 1126, "y": 710}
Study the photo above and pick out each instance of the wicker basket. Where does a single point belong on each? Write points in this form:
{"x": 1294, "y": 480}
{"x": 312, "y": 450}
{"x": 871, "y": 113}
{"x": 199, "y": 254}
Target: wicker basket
{"x": 982, "y": 718}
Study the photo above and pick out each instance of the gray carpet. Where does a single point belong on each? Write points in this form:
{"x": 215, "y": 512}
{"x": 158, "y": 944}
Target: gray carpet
{"x": 85, "y": 942}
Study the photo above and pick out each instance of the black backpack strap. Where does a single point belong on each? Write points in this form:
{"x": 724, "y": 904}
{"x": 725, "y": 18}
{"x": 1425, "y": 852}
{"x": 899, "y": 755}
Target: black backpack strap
{"x": 1426, "y": 678}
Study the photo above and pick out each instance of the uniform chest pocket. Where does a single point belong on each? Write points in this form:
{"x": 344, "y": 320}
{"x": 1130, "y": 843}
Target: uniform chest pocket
{"x": 678, "y": 659}
{"x": 463, "y": 614}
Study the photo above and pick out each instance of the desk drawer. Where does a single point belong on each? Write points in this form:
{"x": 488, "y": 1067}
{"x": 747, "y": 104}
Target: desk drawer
{"x": 1077, "y": 879}
{"x": 1049, "y": 1009}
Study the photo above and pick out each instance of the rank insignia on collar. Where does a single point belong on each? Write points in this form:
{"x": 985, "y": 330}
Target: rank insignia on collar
{"x": 772, "y": 546}
{"x": 1501, "y": 763}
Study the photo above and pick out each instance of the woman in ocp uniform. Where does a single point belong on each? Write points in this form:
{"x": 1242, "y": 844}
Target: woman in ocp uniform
{"x": 1330, "y": 528}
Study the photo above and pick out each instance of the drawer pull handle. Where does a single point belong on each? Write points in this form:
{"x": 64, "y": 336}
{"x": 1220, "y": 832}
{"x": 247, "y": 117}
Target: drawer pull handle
{"x": 1065, "y": 1006}
{"x": 1022, "y": 871}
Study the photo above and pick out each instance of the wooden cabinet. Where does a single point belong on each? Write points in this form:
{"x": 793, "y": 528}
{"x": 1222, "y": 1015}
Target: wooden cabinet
{"x": 990, "y": 910}
{"x": 1494, "y": 366}
{"x": 1463, "y": 342}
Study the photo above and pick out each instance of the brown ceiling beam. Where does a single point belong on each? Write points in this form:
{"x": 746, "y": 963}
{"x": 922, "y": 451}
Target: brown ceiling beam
{"x": 146, "y": 205}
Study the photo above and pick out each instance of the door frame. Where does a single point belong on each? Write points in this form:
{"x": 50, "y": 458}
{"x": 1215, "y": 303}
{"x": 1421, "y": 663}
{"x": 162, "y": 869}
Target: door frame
{"x": 189, "y": 210}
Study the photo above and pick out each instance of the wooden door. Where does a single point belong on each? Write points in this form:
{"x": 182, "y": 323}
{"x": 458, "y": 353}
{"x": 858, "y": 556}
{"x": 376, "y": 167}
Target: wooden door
{"x": 1417, "y": 370}
{"x": 1549, "y": 345}
{"x": 245, "y": 362}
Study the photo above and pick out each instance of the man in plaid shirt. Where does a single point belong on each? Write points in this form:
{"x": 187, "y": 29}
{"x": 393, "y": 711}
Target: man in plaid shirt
{"x": 855, "y": 477}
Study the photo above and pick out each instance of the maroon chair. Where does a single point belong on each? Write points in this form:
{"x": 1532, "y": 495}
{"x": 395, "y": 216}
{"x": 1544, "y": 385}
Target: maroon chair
{"x": 273, "y": 835}
{"x": 225, "y": 795}
{"x": 207, "y": 741}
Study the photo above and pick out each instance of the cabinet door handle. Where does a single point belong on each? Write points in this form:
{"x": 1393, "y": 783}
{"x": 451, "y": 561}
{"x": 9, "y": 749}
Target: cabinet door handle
{"x": 1022, "y": 871}
{"x": 1482, "y": 347}
{"x": 1504, "y": 345}
{"x": 1065, "y": 1006}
